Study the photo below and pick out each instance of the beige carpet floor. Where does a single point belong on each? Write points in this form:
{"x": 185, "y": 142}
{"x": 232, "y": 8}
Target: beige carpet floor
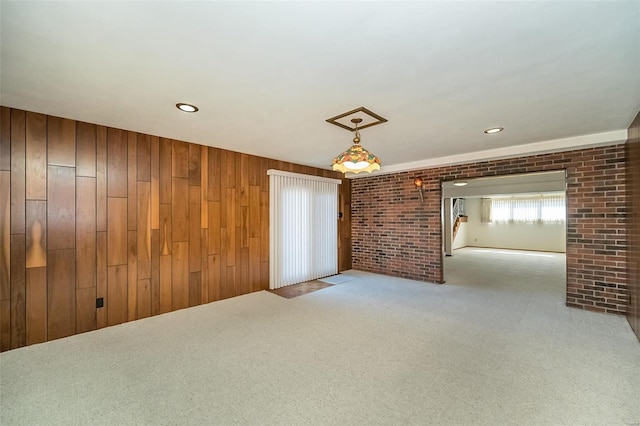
{"x": 493, "y": 346}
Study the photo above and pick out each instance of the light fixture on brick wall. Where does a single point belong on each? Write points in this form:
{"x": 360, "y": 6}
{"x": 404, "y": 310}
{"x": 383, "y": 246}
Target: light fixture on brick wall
{"x": 418, "y": 183}
{"x": 356, "y": 159}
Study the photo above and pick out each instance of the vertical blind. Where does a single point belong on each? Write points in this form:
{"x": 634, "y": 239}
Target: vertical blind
{"x": 549, "y": 208}
{"x": 303, "y": 236}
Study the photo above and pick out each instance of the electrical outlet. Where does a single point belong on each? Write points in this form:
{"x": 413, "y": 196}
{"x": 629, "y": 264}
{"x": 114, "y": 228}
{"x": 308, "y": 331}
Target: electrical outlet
{"x": 100, "y": 302}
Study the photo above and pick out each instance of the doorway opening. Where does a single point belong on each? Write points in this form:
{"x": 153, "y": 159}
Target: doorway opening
{"x": 507, "y": 232}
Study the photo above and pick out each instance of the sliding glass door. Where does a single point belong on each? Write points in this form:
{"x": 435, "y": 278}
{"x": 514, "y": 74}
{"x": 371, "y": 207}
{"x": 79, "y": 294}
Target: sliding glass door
{"x": 303, "y": 228}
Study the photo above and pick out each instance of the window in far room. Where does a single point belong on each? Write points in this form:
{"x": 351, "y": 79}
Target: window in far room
{"x": 527, "y": 209}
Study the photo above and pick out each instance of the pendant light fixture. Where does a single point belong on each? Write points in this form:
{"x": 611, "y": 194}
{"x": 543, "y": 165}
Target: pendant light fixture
{"x": 356, "y": 159}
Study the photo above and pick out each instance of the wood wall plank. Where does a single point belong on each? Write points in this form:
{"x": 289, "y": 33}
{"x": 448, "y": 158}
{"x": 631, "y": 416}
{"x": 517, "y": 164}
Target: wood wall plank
{"x": 18, "y": 152}
{"x": 254, "y": 170}
{"x": 166, "y": 241}
{"x": 180, "y": 159}
{"x": 264, "y": 226}
{"x": 144, "y": 158}
{"x": 117, "y": 232}
{"x": 18, "y": 290}
{"x": 5, "y": 235}
{"x": 214, "y": 277}
{"x": 213, "y": 180}
{"x": 155, "y": 272}
{"x": 229, "y": 238}
{"x": 194, "y": 164}
{"x": 61, "y": 142}
{"x": 61, "y": 293}
{"x": 165, "y": 146}
{"x": 344, "y": 227}
{"x": 117, "y": 294}
{"x": 222, "y": 283}
{"x": 61, "y": 208}
{"x": 132, "y": 276}
{"x": 5, "y": 138}
{"x": 204, "y": 237}
{"x": 195, "y": 246}
{"x": 5, "y": 325}
{"x": 85, "y": 151}
{"x": 223, "y": 193}
{"x": 214, "y": 227}
{"x": 230, "y": 160}
{"x": 195, "y": 288}
{"x": 165, "y": 284}
{"x": 228, "y": 288}
{"x": 117, "y": 162}
{"x": 132, "y": 181}
{"x": 180, "y": 275}
{"x": 180, "y": 210}
{"x": 155, "y": 182}
{"x": 85, "y": 233}
{"x": 254, "y": 264}
{"x": 86, "y": 309}
{"x": 242, "y": 180}
{"x": 242, "y": 226}
{"x": 101, "y": 278}
{"x": 254, "y": 221}
{"x": 204, "y": 184}
{"x": 36, "y": 236}
{"x": 243, "y": 284}
{"x": 264, "y": 275}
{"x": 264, "y": 178}
{"x": 36, "y": 156}
{"x": 144, "y": 298}
{"x": 144, "y": 230}
{"x": 101, "y": 178}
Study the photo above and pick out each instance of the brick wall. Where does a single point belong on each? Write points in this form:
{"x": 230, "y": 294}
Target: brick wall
{"x": 394, "y": 233}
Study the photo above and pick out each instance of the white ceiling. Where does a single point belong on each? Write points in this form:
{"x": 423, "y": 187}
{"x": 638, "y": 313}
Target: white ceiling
{"x": 520, "y": 184}
{"x": 266, "y": 75}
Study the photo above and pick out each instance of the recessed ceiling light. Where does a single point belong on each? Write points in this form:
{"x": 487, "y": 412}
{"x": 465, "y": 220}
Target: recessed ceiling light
{"x": 494, "y": 130}
{"x": 187, "y": 107}
{"x": 461, "y": 183}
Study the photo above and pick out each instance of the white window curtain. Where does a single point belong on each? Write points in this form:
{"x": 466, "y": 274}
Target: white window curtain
{"x": 303, "y": 236}
{"x": 529, "y": 209}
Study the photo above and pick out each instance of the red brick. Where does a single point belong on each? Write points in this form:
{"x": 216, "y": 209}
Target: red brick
{"x": 394, "y": 233}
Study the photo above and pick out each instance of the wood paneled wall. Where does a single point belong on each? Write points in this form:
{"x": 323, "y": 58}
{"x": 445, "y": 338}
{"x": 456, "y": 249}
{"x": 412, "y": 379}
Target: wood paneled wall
{"x": 633, "y": 224}
{"x": 148, "y": 224}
